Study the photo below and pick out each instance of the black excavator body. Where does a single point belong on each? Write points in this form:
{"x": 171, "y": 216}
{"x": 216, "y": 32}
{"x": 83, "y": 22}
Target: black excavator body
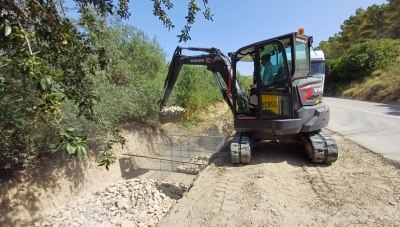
{"x": 285, "y": 102}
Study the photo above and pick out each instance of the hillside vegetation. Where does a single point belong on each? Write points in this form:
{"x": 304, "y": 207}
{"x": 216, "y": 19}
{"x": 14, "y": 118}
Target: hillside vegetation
{"x": 380, "y": 86}
{"x": 363, "y": 55}
{"x": 64, "y": 79}
{"x": 125, "y": 87}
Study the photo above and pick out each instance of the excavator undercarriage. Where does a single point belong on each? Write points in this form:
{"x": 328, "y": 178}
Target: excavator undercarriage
{"x": 284, "y": 104}
{"x": 319, "y": 146}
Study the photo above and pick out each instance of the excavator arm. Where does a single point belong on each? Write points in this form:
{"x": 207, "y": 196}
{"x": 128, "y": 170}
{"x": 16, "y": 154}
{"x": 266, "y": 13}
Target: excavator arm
{"x": 216, "y": 62}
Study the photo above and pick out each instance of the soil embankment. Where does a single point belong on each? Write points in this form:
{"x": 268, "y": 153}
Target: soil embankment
{"x": 49, "y": 185}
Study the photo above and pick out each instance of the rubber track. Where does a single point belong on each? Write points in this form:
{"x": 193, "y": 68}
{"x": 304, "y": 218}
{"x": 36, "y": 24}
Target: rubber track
{"x": 240, "y": 148}
{"x": 321, "y": 147}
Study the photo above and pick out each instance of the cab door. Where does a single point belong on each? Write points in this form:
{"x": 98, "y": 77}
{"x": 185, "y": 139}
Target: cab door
{"x": 274, "y": 86}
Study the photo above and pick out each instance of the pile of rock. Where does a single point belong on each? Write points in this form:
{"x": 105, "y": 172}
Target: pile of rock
{"x": 172, "y": 110}
{"x": 199, "y": 163}
{"x": 136, "y": 202}
{"x": 171, "y": 114}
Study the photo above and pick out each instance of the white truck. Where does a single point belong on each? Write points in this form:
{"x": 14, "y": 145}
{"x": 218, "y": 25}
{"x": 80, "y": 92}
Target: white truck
{"x": 318, "y": 65}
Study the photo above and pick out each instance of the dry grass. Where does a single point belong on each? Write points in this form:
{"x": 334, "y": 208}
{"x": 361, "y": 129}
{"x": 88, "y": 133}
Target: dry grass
{"x": 381, "y": 86}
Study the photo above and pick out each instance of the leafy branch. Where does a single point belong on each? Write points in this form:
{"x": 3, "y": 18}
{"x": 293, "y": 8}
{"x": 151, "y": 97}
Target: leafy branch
{"x": 108, "y": 157}
{"x": 193, "y": 8}
{"x": 74, "y": 145}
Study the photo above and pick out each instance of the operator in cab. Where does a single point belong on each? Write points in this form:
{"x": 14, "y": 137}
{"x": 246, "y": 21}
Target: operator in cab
{"x": 268, "y": 73}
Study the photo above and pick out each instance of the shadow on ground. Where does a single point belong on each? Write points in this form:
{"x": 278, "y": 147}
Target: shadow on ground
{"x": 393, "y": 110}
{"x": 174, "y": 191}
{"x": 23, "y": 189}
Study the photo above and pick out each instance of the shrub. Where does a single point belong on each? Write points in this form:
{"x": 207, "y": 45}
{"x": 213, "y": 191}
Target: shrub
{"x": 244, "y": 81}
{"x": 363, "y": 58}
{"x": 23, "y": 132}
{"x": 195, "y": 89}
{"x": 128, "y": 89}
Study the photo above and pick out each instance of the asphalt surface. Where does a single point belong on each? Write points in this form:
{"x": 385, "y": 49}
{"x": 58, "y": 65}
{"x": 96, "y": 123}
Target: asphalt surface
{"x": 375, "y": 126}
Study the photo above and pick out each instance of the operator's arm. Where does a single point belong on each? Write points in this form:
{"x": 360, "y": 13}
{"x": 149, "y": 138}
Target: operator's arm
{"x": 266, "y": 75}
{"x": 269, "y": 74}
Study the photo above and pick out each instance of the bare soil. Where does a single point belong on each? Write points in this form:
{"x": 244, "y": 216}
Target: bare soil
{"x": 279, "y": 188}
{"x": 282, "y": 188}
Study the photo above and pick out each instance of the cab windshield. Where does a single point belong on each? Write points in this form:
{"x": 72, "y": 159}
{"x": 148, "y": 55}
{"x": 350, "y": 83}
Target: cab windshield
{"x": 317, "y": 68}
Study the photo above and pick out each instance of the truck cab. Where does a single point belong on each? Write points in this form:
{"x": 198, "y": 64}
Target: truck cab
{"x": 318, "y": 65}
{"x": 317, "y": 69}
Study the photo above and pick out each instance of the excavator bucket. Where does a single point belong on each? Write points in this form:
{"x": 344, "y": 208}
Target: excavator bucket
{"x": 171, "y": 114}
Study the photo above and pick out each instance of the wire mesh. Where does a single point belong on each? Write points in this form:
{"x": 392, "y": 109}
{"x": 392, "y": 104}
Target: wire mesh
{"x": 160, "y": 156}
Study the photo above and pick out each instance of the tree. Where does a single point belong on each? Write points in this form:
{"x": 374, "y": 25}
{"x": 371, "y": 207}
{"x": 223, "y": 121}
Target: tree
{"x": 372, "y": 23}
{"x": 375, "y": 28}
{"x": 351, "y": 29}
{"x": 333, "y": 47}
{"x": 53, "y": 60}
{"x": 392, "y": 19}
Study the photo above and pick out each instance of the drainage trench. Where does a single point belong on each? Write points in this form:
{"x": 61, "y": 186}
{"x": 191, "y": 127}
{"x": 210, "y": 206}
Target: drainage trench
{"x": 178, "y": 157}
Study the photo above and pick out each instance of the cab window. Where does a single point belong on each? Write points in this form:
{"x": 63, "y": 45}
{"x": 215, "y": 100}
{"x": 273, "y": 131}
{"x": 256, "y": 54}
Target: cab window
{"x": 302, "y": 56}
{"x": 271, "y": 65}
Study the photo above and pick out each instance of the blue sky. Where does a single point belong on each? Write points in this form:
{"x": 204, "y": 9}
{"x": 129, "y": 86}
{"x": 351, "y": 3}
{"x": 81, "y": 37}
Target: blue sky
{"x": 238, "y": 23}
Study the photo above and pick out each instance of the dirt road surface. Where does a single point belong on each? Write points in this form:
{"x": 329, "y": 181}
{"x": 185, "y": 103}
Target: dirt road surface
{"x": 282, "y": 188}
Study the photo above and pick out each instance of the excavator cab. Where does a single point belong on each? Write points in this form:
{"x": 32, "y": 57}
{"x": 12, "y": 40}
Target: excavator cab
{"x": 271, "y": 95}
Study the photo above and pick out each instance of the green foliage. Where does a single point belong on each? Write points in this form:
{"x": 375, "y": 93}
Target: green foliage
{"x": 193, "y": 9}
{"x": 45, "y": 61}
{"x": 375, "y": 22}
{"x": 108, "y": 156}
{"x": 364, "y": 58}
{"x": 367, "y": 41}
{"x": 24, "y": 133}
{"x": 194, "y": 90}
{"x": 381, "y": 86}
{"x": 54, "y": 69}
{"x": 392, "y": 25}
{"x": 74, "y": 145}
{"x": 244, "y": 81}
{"x": 133, "y": 79}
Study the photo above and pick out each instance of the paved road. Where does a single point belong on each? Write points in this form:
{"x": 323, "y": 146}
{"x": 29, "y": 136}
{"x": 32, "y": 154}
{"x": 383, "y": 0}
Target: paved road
{"x": 375, "y": 126}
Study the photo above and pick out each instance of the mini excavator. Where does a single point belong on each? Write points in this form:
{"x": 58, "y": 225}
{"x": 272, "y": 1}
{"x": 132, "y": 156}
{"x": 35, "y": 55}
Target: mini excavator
{"x": 287, "y": 106}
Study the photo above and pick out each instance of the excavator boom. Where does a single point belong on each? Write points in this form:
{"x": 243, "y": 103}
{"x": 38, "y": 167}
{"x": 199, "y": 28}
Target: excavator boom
{"x": 216, "y": 62}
